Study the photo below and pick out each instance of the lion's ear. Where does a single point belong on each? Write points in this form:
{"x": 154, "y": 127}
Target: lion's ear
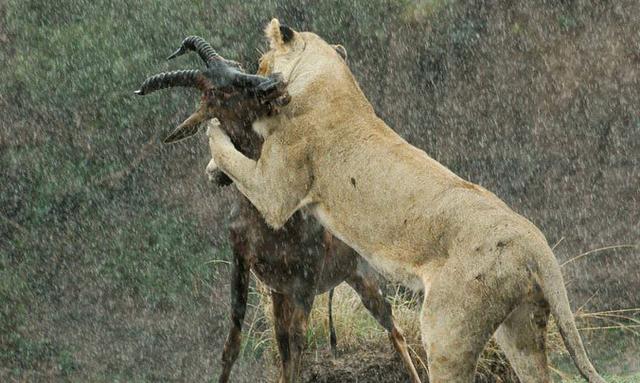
{"x": 342, "y": 51}
{"x": 279, "y": 35}
{"x": 286, "y": 33}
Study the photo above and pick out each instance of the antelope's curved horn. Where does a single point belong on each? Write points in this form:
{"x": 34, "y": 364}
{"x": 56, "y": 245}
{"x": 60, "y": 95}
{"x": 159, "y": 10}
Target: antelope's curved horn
{"x": 186, "y": 78}
{"x": 204, "y": 50}
{"x": 199, "y": 45}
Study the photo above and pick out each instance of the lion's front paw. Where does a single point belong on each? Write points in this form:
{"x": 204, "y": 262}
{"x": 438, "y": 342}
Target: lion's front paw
{"x": 211, "y": 170}
{"x": 216, "y": 175}
{"x": 211, "y": 126}
{"x": 215, "y": 132}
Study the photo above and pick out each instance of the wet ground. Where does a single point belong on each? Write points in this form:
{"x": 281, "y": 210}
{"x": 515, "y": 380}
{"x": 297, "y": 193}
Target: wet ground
{"x": 356, "y": 367}
{"x": 376, "y": 366}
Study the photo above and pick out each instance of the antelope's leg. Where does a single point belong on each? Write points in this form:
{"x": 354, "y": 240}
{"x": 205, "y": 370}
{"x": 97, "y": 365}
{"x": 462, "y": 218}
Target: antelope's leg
{"x": 298, "y": 330}
{"x": 276, "y": 184}
{"x": 333, "y": 340}
{"x": 282, "y": 313}
{"x": 239, "y": 290}
{"x": 365, "y": 282}
{"x": 329, "y": 250}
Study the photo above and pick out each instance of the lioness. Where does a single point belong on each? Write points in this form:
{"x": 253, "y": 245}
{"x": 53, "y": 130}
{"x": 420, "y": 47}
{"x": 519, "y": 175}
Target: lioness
{"x": 483, "y": 268}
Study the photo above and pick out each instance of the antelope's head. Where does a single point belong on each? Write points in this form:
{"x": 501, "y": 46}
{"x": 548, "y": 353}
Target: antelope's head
{"x": 228, "y": 93}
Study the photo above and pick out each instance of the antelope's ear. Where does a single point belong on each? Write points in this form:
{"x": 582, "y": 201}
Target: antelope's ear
{"x": 180, "y": 133}
{"x": 342, "y": 51}
{"x": 185, "y": 130}
{"x": 279, "y": 35}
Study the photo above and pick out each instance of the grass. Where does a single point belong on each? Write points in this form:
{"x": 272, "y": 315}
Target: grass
{"x": 635, "y": 378}
{"x": 140, "y": 271}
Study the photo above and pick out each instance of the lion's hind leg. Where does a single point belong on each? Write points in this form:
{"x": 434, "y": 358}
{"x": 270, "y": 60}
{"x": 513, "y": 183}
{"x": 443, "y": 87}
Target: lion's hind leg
{"x": 459, "y": 316}
{"x": 522, "y": 337}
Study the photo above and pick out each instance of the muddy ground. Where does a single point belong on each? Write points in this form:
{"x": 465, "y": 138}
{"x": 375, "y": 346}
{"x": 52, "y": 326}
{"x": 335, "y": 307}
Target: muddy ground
{"x": 363, "y": 366}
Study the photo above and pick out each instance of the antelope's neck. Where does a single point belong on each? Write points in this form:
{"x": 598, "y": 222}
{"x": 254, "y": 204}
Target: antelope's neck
{"x": 245, "y": 139}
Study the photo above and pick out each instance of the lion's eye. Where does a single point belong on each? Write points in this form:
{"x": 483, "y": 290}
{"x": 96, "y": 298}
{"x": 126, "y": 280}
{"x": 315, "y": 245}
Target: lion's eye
{"x": 263, "y": 65}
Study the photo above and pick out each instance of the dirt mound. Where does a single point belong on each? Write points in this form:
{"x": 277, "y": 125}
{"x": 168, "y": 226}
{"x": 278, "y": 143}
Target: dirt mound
{"x": 364, "y": 366}
{"x": 361, "y": 366}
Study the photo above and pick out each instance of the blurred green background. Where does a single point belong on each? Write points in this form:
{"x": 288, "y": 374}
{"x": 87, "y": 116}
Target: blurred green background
{"x": 113, "y": 247}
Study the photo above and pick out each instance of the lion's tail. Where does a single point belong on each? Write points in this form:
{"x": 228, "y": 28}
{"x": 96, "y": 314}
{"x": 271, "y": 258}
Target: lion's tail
{"x": 554, "y": 291}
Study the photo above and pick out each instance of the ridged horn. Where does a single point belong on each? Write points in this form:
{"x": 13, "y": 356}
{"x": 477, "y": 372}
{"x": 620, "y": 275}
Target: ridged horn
{"x": 199, "y": 45}
{"x": 185, "y": 78}
{"x": 203, "y": 49}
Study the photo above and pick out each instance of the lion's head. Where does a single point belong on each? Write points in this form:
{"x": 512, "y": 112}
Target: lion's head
{"x": 297, "y": 54}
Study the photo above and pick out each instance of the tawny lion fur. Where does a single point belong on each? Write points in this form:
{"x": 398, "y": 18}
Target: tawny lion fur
{"x": 483, "y": 268}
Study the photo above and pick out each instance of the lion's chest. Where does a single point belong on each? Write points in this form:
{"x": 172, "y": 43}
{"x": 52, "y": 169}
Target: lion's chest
{"x": 391, "y": 262}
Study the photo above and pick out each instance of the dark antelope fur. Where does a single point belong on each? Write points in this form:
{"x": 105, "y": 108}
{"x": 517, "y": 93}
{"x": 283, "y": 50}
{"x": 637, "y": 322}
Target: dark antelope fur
{"x": 297, "y": 262}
